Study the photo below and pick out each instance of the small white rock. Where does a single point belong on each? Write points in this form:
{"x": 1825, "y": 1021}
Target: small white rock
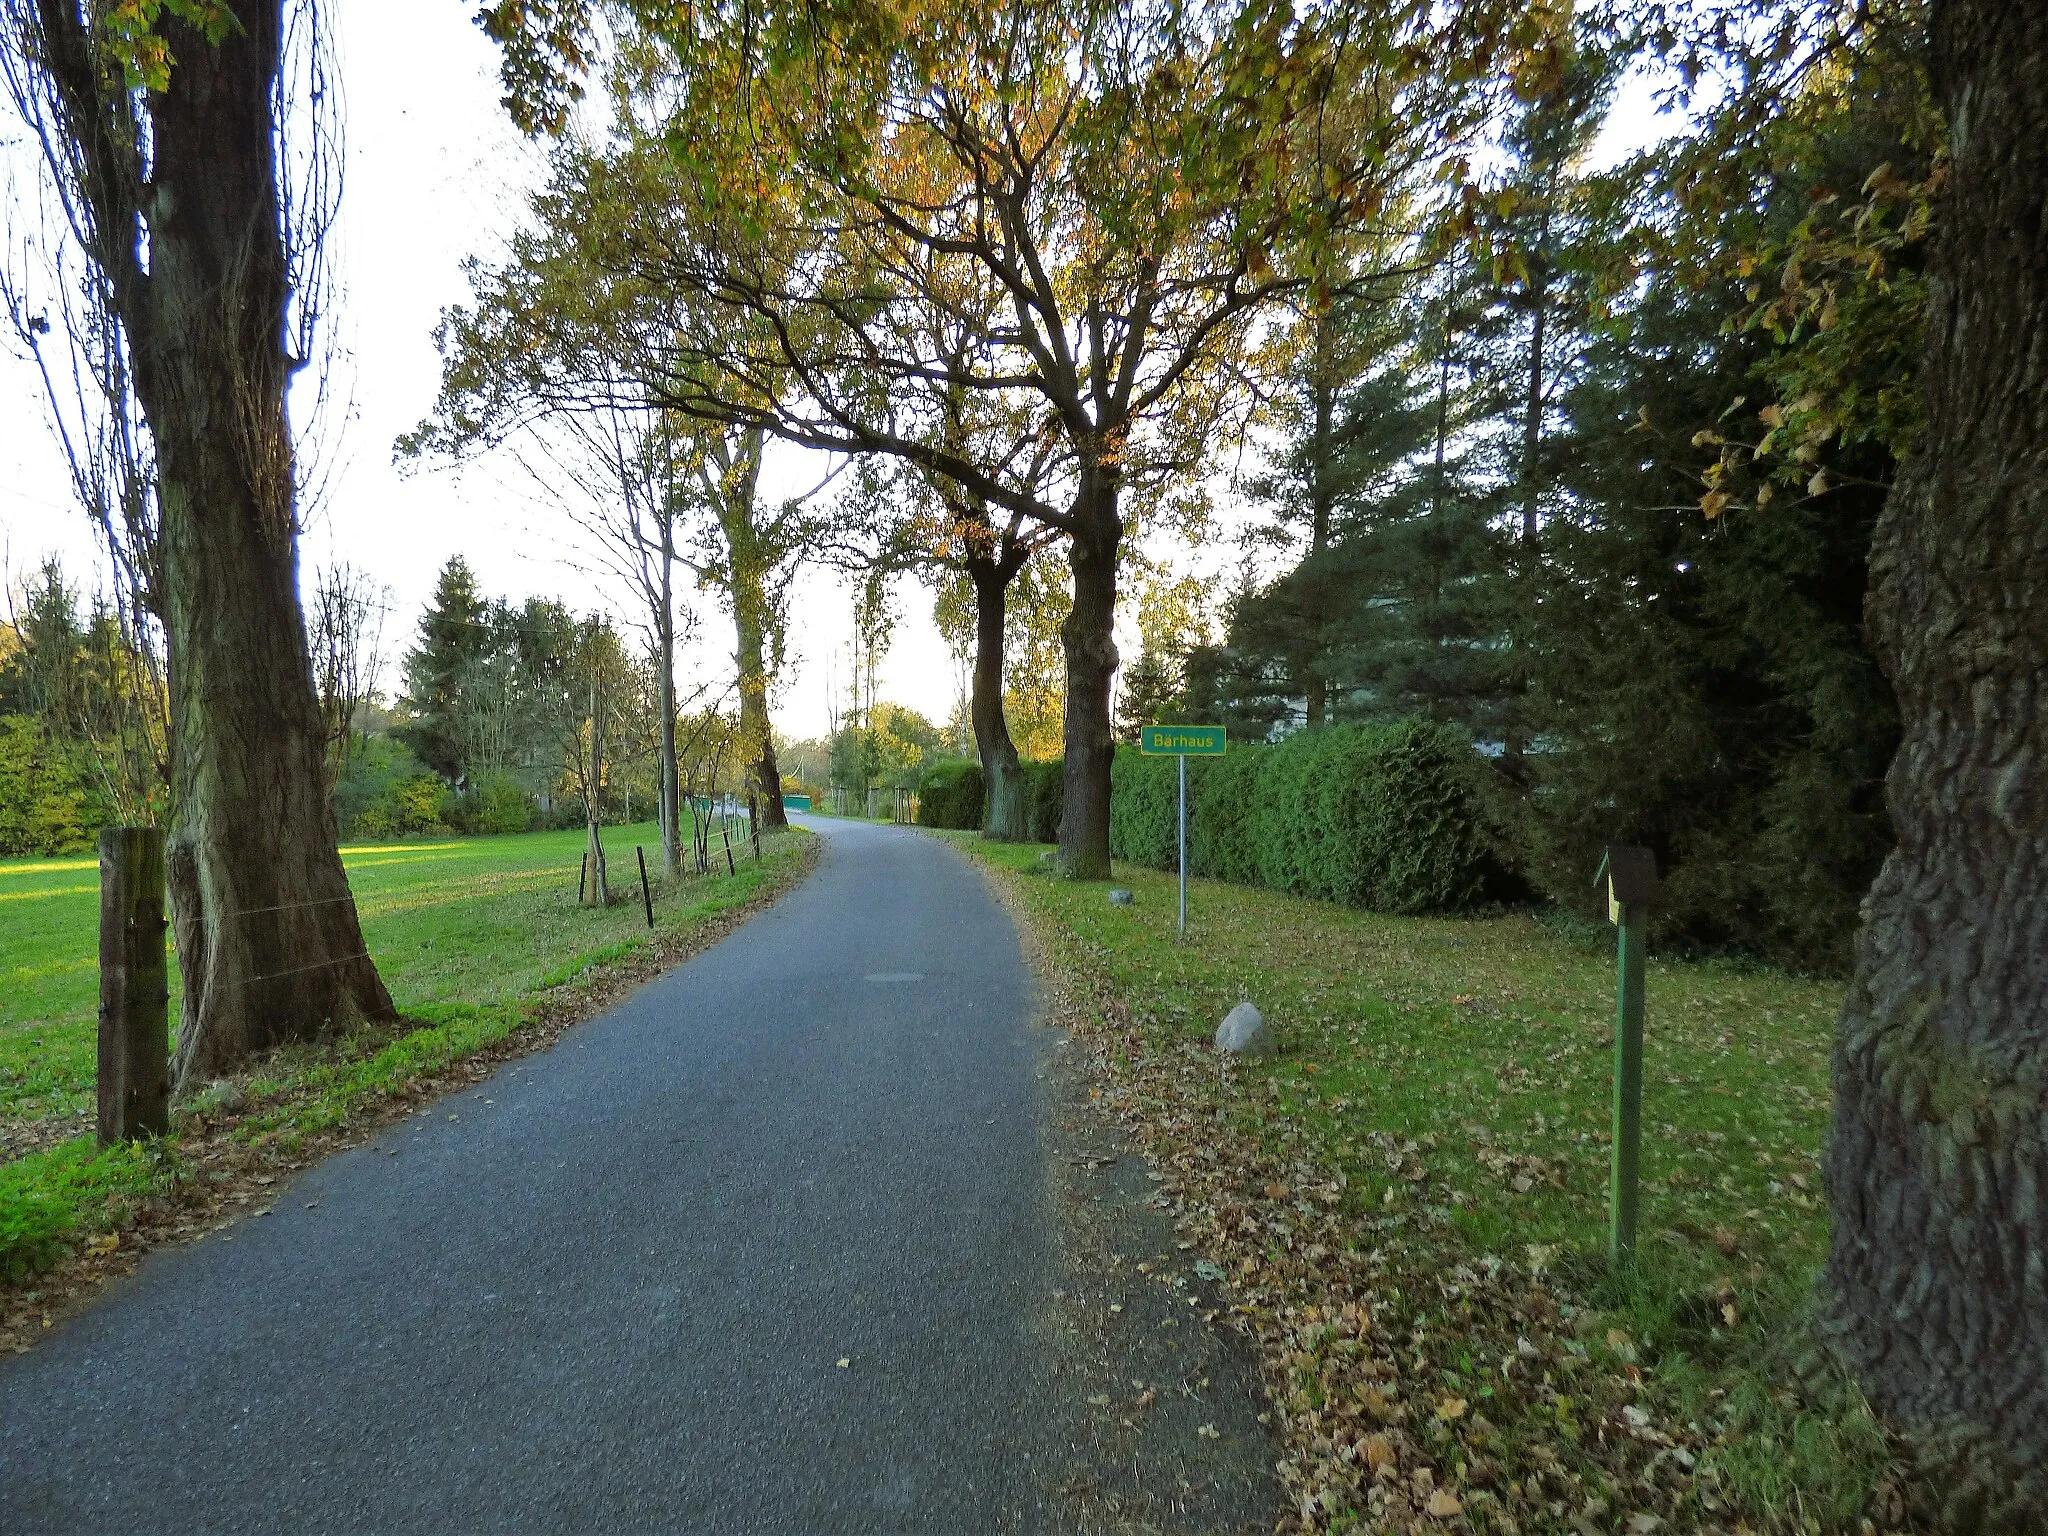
{"x": 1243, "y": 1032}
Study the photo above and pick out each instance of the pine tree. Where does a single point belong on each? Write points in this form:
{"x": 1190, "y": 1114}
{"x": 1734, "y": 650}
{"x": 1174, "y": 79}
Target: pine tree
{"x": 454, "y": 636}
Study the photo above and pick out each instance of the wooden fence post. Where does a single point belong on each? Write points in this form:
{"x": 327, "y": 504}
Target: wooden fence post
{"x": 134, "y": 1043}
{"x": 754, "y": 826}
{"x": 646, "y": 897}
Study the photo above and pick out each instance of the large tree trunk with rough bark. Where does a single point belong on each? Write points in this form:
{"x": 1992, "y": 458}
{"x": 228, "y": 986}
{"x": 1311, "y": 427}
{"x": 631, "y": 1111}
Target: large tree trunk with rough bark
{"x": 1089, "y": 636}
{"x": 1004, "y": 815}
{"x": 268, "y": 941}
{"x": 746, "y": 567}
{"x": 1937, "y": 1278}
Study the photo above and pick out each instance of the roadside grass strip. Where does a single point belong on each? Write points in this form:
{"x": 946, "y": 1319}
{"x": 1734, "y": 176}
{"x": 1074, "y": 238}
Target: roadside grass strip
{"x": 487, "y": 954}
{"x": 1409, "y": 1204}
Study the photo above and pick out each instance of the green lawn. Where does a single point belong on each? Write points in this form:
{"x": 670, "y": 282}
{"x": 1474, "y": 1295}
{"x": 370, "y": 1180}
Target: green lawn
{"x": 470, "y": 934}
{"x": 1452, "y": 1078}
{"x": 469, "y": 920}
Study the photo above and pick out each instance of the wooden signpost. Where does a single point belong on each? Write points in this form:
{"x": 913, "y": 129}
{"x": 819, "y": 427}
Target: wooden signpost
{"x": 1183, "y": 742}
{"x": 1628, "y": 878}
{"x": 135, "y": 1036}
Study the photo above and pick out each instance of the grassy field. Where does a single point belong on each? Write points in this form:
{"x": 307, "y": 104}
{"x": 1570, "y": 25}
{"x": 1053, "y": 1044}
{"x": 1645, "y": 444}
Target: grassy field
{"x": 469, "y": 920}
{"x": 1447, "y": 1084}
{"x": 471, "y": 935}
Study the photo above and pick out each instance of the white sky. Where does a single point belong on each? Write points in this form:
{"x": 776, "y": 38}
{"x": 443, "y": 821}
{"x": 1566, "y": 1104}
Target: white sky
{"x": 436, "y": 173}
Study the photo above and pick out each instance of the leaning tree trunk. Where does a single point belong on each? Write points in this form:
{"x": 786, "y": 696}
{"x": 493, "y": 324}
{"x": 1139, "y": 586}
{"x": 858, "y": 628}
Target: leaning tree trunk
{"x": 1937, "y": 1276}
{"x": 268, "y": 941}
{"x": 1004, "y": 816}
{"x": 1089, "y": 635}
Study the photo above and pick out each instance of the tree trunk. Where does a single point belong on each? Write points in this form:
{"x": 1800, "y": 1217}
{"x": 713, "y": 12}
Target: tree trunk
{"x": 1089, "y": 634}
{"x": 667, "y": 773}
{"x": 750, "y": 615}
{"x": 1322, "y": 499}
{"x": 597, "y": 891}
{"x": 1937, "y": 1277}
{"x": 764, "y": 777}
{"x": 1004, "y": 817}
{"x": 1532, "y": 402}
{"x": 268, "y": 940}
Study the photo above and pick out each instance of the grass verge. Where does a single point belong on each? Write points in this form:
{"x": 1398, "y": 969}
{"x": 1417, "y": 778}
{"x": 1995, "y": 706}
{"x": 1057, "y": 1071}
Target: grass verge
{"x": 488, "y": 957}
{"x": 1409, "y": 1205}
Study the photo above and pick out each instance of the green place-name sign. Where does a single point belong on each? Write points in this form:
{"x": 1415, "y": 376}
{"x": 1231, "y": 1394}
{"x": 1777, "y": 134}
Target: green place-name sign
{"x": 1181, "y": 741}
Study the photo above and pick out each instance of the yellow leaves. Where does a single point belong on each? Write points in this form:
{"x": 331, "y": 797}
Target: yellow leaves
{"x": 1450, "y": 1410}
{"x": 1378, "y": 1452}
{"x": 1444, "y": 1504}
{"x": 1772, "y": 416}
{"x": 1714, "y": 503}
{"x": 104, "y": 1244}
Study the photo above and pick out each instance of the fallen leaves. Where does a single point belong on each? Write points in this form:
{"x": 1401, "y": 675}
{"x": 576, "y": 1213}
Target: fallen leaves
{"x": 1443, "y": 1504}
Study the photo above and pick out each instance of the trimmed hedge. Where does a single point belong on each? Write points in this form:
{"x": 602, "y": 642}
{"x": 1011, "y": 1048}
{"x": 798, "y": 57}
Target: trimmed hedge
{"x": 1384, "y": 817}
{"x": 950, "y": 794}
{"x": 1045, "y": 798}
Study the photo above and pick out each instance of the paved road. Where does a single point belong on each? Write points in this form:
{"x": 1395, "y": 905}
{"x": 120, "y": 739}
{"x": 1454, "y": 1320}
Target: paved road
{"x": 612, "y": 1295}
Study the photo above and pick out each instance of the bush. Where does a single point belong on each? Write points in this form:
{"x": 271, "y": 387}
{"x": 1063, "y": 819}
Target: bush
{"x": 1144, "y": 801}
{"x": 1384, "y": 817}
{"x": 44, "y": 809}
{"x": 499, "y": 803}
{"x": 950, "y": 793}
{"x": 1045, "y": 798}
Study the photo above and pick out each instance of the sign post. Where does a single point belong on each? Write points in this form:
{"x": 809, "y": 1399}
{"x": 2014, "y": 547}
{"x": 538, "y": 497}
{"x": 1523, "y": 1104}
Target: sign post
{"x": 1629, "y": 878}
{"x": 1183, "y": 742}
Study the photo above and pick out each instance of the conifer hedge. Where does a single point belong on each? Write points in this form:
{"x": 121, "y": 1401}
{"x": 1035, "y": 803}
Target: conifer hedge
{"x": 1384, "y": 817}
{"x": 950, "y": 794}
{"x": 1045, "y": 797}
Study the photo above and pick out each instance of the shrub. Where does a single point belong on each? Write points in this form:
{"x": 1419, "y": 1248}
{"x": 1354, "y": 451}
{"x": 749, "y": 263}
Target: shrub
{"x": 1223, "y": 795}
{"x": 1384, "y": 817}
{"x": 499, "y": 803}
{"x": 43, "y": 807}
{"x": 1045, "y": 798}
{"x": 1144, "y": 801}
{"x": 949, "y": 794}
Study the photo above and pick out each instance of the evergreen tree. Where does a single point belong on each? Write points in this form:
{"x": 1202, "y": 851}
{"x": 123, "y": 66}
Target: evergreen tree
{"x": 455, "y": 634}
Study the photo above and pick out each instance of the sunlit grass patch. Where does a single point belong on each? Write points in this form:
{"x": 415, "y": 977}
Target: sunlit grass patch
{"x": 468, "y": 937}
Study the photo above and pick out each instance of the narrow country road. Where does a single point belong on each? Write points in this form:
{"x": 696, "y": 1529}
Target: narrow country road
{"x": 758, "y": 1250}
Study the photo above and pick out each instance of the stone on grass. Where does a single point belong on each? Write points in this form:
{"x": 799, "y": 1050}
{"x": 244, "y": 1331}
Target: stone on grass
{"x": 1243, "y": 1032}
{"x": 1120, "y": 897}
{"x": 221, "y": 1097}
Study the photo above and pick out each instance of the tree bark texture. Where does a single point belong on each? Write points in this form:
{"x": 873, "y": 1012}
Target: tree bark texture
{"x": 764, "y": 777}
{"x": 1089, "y": 636}
{"x": 268, "y": 939}
{"x": 1937, "y": 1278}
{"x": 667, "y": 769}
{"x": 746, "y": 567}
{"x": 1004, "y": 816}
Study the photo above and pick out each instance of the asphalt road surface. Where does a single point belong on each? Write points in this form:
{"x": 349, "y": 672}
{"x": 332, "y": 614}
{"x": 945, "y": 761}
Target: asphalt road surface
{"x": 757, "y": 1250}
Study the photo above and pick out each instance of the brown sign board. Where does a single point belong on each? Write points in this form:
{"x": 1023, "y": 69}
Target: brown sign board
{"x": 1629, "y": 876}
